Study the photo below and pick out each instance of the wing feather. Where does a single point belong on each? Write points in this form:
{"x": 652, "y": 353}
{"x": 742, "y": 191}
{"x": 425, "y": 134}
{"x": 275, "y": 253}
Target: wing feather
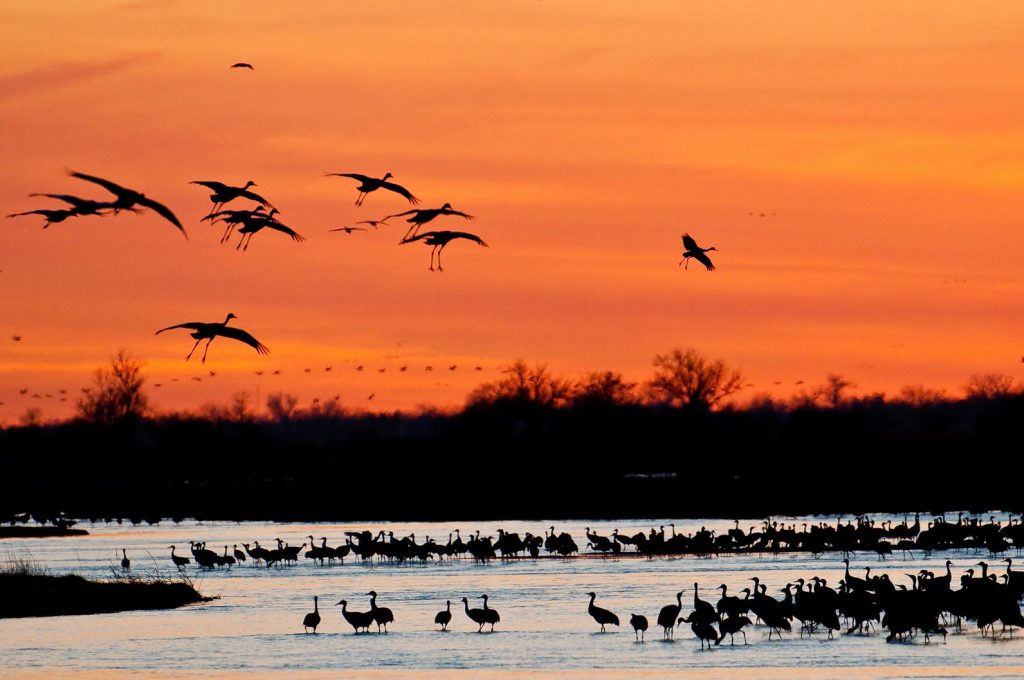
{"x": 689, "y": 243}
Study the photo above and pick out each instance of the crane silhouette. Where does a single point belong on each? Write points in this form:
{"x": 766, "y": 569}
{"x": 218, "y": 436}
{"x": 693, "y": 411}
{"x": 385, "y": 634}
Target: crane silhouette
{"x": 601, "y": 615}
{"x": 80, "y": 206}
{"x": 639, "y": 623}
{"x": 418, "y": 217}
{"x": 382, "y": 615}
{"x": 127, "y": 199}
{"x": 243, "y": 64}
{"x": 52, "y": 216}
{"x": 312, "y": 619}
{"x": 440, "y": 239}
{"x": 208, "y": 331}
{"x": 258, "y": 223}
{"x": 444, "y": 617}
{"x": 224, "y": 193}
{"x": 368, "y": 184}
{"x": 348, "y": 230}
{"x": 126, "y": 564}
{"x": 696, "y": 252}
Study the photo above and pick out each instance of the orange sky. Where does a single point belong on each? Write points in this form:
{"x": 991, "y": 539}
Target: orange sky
{"x": 884, "y": 142}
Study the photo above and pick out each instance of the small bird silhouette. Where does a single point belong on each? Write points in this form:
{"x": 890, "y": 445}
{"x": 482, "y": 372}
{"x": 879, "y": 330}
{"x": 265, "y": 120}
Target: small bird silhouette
{"x": 16, "y": 338}
{"x": 696, "y": 252}
{"x": 243, "y": 64}
{"x": 348, "y": 230}
{"x": 373, "y": 223}
{"x": 372, "y": 395}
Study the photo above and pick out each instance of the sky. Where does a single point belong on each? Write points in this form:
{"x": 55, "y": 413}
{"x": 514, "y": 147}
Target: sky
{"x": 859, "y": 168}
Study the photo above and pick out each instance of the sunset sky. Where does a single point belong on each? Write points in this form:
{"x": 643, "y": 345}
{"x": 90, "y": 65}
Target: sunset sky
{"x": 883, "y": 142}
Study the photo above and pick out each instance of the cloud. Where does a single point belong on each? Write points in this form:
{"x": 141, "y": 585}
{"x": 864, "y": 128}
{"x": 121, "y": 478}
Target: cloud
{"x": 67, "y": 73}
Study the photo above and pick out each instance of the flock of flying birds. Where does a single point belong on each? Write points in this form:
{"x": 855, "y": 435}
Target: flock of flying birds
{"x": 262, "y": 216}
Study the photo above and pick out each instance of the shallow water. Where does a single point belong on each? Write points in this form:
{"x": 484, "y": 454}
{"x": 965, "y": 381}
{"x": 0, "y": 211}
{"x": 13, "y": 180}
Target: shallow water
{"x": 255, "y": 626}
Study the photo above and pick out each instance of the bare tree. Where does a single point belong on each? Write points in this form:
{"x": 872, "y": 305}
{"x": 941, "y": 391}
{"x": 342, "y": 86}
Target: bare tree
{"x": 116, "y": 394}
{"x": 523, "y": 385}
{"x": 685, "y": 378}
{"x": 990, "y": 386}
{"x": 281, "y": 405}
{"x": 603, "y": 389}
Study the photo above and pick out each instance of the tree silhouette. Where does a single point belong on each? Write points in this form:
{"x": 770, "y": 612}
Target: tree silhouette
{"x": 281, "y": 405}
{"x": 603, "y": 389}
{"x": 990, "y": 386}
{"x": 685, "y": 378}
{"x": 522, "y": 385}
{"x": 116, "y": 394}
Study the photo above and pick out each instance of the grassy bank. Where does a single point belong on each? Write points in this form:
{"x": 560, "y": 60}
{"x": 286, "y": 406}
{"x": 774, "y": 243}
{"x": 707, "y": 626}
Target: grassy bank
{"x": 27, "y": 590}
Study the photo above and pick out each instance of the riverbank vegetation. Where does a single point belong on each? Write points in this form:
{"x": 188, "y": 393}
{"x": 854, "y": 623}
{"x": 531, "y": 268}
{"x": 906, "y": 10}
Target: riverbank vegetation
{"x": 533, "y": 445}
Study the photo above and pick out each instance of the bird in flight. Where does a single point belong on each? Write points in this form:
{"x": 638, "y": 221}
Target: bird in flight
{"x": 696, "y": 252}
{"x": 369, "y": 184}
{"x": 373, "y": 223}
{"x": 224, "y": 193}
{"x": 16, "y": 338}
{"x": 243, "y": 64}
{"x": 127, "y": 199}
{"x": 417, "y": 218}
{"x": 52, "y": 216}
{"x": 348, "y": 230}
{"x": 256, "y": 223}
{"x": 80, "y": 206}
{"x": 440, "y": 239}
{"x": 208, "y": 331}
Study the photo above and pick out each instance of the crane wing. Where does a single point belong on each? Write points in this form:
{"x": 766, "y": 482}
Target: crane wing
{"x": 418, "y": 237}
{"x": 113, "y": 188}
{"x": 689, "y": 243}
{"x": 399, "y": 189}
{"x": 242, "y": 336}
{"x": 216, "y": 187}
{"x": 353, "y": 175}
{"x": 164, "y": 211}
{"x": 467, "y": 235}
{"x": 449, "y": 211}
{"x": 414, "y": 211}
{"x": 253, "y": 196}
{"x": 191, "y": 325}
{"x": 704, "y": 260}
{"x": 274, "y": 224}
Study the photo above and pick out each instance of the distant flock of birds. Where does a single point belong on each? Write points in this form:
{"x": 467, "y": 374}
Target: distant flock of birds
{"x": 864, "y": 535}
{"x": 263, "y": 215}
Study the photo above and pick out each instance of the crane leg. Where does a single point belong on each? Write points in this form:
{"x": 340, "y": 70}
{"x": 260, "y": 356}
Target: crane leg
{"x": 189, "y": 356}
{"x": 206, "y": 349}
{"x": 439, "y": 251}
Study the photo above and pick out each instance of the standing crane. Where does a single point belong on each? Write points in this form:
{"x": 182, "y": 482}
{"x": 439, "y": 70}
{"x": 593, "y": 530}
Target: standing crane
{"x": 208, "y": 331}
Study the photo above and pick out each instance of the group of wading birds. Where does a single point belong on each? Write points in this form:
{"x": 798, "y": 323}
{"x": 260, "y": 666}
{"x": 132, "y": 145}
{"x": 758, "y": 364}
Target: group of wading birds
{"x": 864, "y": 535}
{"x": 264, "y": 216}
{"x": 924, "y": 608}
